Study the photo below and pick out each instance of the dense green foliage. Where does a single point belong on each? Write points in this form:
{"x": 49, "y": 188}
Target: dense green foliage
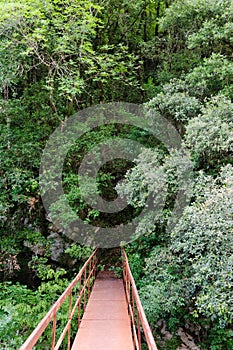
{"x": 58, "y": 57}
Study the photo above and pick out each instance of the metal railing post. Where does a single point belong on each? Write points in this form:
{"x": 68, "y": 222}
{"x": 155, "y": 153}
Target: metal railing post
{"x": 91, "y": 264}
{"x": 135, "y": 307}
{"x": 54, "y": 332}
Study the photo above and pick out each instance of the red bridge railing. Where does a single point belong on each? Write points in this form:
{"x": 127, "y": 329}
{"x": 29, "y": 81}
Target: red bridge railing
{"x": 84, "y": 280}
{"x": 137, "y": 315}
{"x": 77, "y": 301}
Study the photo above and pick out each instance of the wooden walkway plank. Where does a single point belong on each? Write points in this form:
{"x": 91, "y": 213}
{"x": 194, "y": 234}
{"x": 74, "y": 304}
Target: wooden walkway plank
{"x": 105, "y": 323}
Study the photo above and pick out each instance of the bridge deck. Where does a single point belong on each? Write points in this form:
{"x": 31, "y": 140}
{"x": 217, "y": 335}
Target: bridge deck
{"x": 105, "y": 323}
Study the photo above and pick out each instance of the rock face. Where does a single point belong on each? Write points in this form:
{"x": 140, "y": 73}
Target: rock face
{"x": 187, "y": 341}
{"x": 56, "y": 243}
{"x": 52, "y": 246}
{"x": 57, "y": 246}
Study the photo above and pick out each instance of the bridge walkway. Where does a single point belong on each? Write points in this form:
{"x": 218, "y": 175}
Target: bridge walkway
{"x": 105, "y": 323}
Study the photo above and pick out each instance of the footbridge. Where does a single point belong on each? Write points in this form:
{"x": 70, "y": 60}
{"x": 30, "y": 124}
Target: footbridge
{"x": 103, "y": 312}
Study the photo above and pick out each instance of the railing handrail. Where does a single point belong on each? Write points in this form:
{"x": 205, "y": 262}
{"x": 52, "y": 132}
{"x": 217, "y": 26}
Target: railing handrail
{"x": 38, "y": 331}
{"x": 128, "y": 279}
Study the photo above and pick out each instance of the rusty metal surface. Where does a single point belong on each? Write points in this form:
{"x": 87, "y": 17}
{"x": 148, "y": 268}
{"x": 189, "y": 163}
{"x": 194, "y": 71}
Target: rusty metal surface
{"x": 106, "y": 323}
{"x": 84, "y": 278}
{"x": 137, "y": 314}
{"x": 113, "y": 318}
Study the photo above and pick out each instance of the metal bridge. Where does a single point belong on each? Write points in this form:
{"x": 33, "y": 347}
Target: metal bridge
{"x": 103, "y": 312}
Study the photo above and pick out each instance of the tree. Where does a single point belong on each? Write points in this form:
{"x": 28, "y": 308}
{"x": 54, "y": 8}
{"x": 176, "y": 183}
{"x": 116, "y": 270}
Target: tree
{"x": 193, "y": 31}
{"x": 209, "y": 135}
{"x": 52, "y": 65}
{"x": 190, "y": 279}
